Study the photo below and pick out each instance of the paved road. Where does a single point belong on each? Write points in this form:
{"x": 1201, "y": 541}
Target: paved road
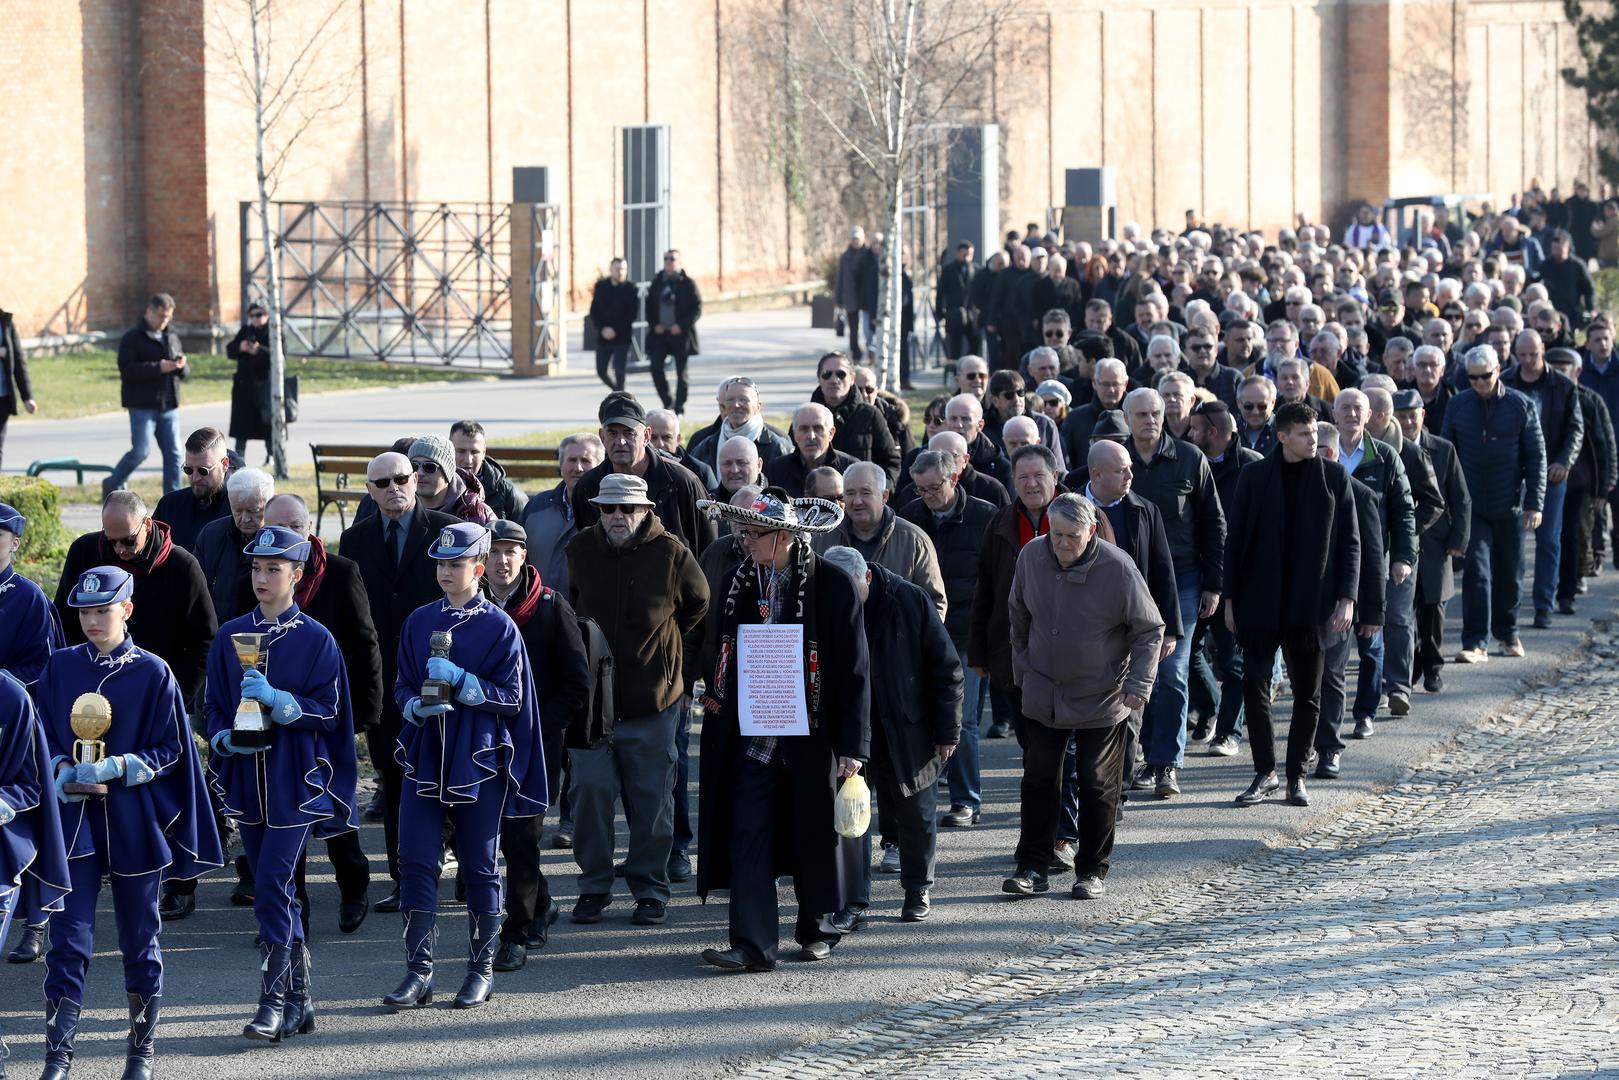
{"x": 617, "y": 1001}
{"x": 775, "y": 347}
{"x": 1461, "y": 924}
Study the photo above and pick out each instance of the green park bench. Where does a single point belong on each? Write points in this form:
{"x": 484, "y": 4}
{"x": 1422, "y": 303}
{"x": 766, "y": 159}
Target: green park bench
{"x": 67, "y": 464}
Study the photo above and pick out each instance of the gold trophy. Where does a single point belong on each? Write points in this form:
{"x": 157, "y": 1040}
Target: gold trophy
{"x": 437, "y": 691}
{"x": 90, "y": 718}
{"x": 251, "y": 728}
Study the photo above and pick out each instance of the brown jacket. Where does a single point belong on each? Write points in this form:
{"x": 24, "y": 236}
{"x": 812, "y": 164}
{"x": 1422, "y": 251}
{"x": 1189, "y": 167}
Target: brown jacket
{"x": 1083, "y": 637}
{"x": 645, "y": 597}
{"x": 902, "y": 549}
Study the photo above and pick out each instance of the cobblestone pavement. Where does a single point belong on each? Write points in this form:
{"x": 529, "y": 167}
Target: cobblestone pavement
{"x": 1461, "y": 924}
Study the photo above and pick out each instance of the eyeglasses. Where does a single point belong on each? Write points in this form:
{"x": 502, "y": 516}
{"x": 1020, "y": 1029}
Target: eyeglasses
{"x": 1010, "y": 395}
{"x": 868, "y": 391}
{"x": 928, "y": 490}
{"x": 1253, "y": 406}
{"x": 627, "y": 511}
{"x": 381, "y": 483}
{"x": 1486, "y": 377}
{"x": 426, "y": 467}
{"x": 749, "y": 533}
{"x": 976, "y": 376}
{"x": 198, "y": 470}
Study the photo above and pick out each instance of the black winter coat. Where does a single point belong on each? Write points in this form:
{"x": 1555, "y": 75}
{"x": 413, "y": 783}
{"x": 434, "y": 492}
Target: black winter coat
{"x": 186, "y": 515}
{"x": 393, "y": 592}
{"x": 688, "y": 308}
{"x": 984, "y": 456}
{"x": 789, "y": 472}
{"x": 989, "y": 638}
{"x": 1382, "y": 470}
{"x": 855, "y": 287}
{"x": 250, "y": 385}
{"x": 1435, "y": 577}
{"x": 227, "y": 570}
{"x": 1371, "y": 600}
{"x": 13, "y": 368}
{"x": 1177, "y": 480}
{"x": 674, "y": 492}
{"x": 952, "y": 296}
{"x": 500, "y": 492}
{"x": 556, "y": 651}
{"x": 1502, "y": 452}
{"x": 1324, "y": 537}
{"x": 957, "y": 541}
{"x": 917, "y": 694}
{"x": 1427, "y": 497}
{"x": 973, "y": 482}
{"x": 340, "y": 605}
{"x": 142, "y": 382}
{"x": 863, "y": 434}
{"x": 1596, "y": 469}
{"x": 1226, "y": 471}
{"x": 615, "y": 305}
{"x": 1562, "y": 425}
{"x": 173, "y": 617}
{"x": 772, "y": 443}
{"x": 1147, "y": 545}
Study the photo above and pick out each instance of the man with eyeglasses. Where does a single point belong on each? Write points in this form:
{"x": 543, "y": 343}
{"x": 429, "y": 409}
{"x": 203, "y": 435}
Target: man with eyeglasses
{"x": 673, "y": 307}
{"x": 1108, "y": 385}
{"x": 813, "y": 432}
{"x": 1428, "y": 366}
{"x": 443, "y": 487}
{"x": 1207, "y": 372}
{"x": 1007, "y": 401}
{"x": 861, "y": 431}
{"x": 221, "y": 544}
{"x": 1562, "y": 426}
{"x": 628, "y": 548}
{"x": 740, "y": 414}
{"x": 1496, "y": 432}
{"x": 1256, "y": 401}
{"x": 202, "y": 500}
{"x": 391, "y": 549}
{"x": 972, "y": 376}
{"x": 151, "y": 363}
{"x": 672, "y": 487}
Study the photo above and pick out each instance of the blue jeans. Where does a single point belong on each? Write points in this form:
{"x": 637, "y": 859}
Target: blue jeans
{"x": 1492, "y": 577}
{"x": 1163, "y": 731}
{"x": 1399, "y": 637}
{"x": 962, "y": 771}
{"x": 1216, "y": 675}
{"x": 1369, "y": 682}
{"x": 682, "y": 840}
{"x": 143, "y": 423}
{"x": 1549, "y": 546}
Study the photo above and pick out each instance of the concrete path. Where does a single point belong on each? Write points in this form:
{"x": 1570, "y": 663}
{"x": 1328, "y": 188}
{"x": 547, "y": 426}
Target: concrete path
{"x": 1397, "y": 919}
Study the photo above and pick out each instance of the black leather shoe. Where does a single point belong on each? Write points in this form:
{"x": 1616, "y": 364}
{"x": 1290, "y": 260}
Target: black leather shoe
{"x": 679, "y": 867}
{"x": 1296, "y": 793}
{"x": 650, "y": 912}
{"x": 563, "y": 840}
{"x": 539, "y": 931}
{"x": 1433, "y": 682}
{"x": 390, "y": 903}
{"x": 1565, "y": 607}
{"x": 589, "y": 907}
{"x": 848, "y": 920}
{"x": 1201, "y": 729}
{"x": 815, "y": 950}
{"x": 1026, "y": 882}
{"x": 351, "y": 913}
{"x": 736, "y": 960}
{"x": 1399, "y": 703}
{"x": 1330, "y": 766}
{"x": 1363, "y": 728}
{"x": 1261, "y": 787}
{"x": 176, "y": 906}
{"x": 959, "y": 817}
{"x": 510, "y": 956}
{"x": 373, "y": 809}
{"x": 30, "y": 946}
{"x": 916, "y": 906}
{"x": 1000, "y": 729}
{"x": 1543, "y": 619}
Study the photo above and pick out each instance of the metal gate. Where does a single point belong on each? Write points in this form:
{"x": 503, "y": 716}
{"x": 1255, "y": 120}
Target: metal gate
{"x": 410, "y": 282}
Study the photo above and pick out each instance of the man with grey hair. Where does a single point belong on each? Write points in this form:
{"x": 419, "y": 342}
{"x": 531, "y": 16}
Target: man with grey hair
{"x": 1497, "y": 436}
{"x": 741, "y": 412}
{"x": 824, "y": 482}
{"x": 1109, "y": 383}
{"x": 955, "y": 523}
{"x": 915, "y": 726}
{"x": 871, "y": 527}
{"x": 173, "y": 619}
{"x": 663, "y": 435}
{"x": 220, "y": 543}
{"x": 964, "y": 414}
{"x": 977, "y": 484}
{"x": 548, "y": 519}
{"x": 1067, "y": 588}
{"x": 1017, "y": 433}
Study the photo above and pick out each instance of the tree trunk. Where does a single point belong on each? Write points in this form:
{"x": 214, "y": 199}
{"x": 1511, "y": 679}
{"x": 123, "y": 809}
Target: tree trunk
{"x": 278, "y": 356}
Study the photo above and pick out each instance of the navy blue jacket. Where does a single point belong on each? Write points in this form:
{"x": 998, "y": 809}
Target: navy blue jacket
{"x": 1502, "y": 452}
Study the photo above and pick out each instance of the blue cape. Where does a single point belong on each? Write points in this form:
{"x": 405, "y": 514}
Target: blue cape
{"x": 165, "y": 824}
{"x": 447, "y": 757}
{"x": 31, "y": 843}
{"x": 309, "y": 770}
{"x": 30, "y": 627}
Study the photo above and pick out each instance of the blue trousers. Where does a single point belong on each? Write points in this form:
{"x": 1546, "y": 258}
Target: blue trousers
{"x": 961, "y": 771}
{"x": 274, "y": 856}
{"x": 143, "y": 424}
{"x": 1369, "y": 681}
{"x": 682, "y": 840}
{"x": 477, "y": 836}
{"x": 73, "y": 931}
{"x": 1492, "y": 577}
{"x": 1163, "y": 729}
{"x": 1549, "y": 546}
{"x": 1216, "y": 675}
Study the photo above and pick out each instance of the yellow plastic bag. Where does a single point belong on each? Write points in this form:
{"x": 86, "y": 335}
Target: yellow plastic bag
{"x": 852, "y": 815}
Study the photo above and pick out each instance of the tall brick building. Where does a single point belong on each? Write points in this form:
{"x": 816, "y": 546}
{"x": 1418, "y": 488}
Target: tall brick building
{"x": 130, "y": 147}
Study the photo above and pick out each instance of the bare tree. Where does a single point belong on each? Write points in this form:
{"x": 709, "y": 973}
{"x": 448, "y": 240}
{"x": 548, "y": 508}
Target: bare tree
{"x": 882, "y": 77}
{"x": 290, "y": 81}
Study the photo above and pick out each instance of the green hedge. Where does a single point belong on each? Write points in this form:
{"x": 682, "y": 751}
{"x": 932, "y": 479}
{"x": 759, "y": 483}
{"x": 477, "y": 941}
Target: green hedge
{"x": 45, "y": 540}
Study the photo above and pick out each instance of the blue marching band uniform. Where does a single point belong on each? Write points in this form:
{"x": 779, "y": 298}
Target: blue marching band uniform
{"x": 153, "y": 823}
{"x": 475, "y": 762}
{"x": 299, "y": 787}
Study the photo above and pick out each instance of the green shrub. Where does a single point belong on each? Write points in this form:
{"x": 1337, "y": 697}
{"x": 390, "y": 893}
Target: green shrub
{"x": 45, "y": 540}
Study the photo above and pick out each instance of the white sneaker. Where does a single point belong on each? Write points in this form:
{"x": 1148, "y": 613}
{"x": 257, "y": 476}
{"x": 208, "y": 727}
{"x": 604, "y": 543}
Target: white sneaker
{"x": 1473, "y": 656}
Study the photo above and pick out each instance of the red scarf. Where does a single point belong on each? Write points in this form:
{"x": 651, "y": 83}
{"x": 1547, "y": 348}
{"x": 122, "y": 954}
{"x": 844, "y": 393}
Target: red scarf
{"x": 1026, "y": 532}
{"x": 524, "y": 600}
{"x": 314, "y": 574}
{"x": 148, "y": 559}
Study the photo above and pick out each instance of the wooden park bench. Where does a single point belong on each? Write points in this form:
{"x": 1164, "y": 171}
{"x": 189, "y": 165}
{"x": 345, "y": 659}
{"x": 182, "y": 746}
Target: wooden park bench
{"x": 340, "y": 472}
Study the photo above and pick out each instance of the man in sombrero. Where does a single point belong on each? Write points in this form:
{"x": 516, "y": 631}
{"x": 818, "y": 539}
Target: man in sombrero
{"x": 772, "y": 759}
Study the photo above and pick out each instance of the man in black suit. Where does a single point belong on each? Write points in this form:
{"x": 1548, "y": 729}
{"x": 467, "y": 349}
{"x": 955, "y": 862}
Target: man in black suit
{"x": 390, "y": 548}
{"x": 952, "y": 303}
{"x": 333, "y": 594}
{"x": 614, "y": 304}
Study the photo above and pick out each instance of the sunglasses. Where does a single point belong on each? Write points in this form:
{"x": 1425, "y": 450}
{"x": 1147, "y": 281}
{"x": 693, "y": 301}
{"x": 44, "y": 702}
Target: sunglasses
{"x": 124, "y": 541}
{"x": 1253, "y": 406}
{"x": 198, "y": 470}
{"x": 611, "y": 511}
{"x": 1056, "y": 334}
{"x": 1486, "y": 377}
{"x": 837, "y": 373}
{"x": 1205, "y": 347}
{"x": 427, "y": 467}
{"x": 382, "y": 482}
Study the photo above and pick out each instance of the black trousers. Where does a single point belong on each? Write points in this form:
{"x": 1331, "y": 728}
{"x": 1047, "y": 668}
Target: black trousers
{"x": 763, "y": 793}
{"x": 912, "y": 819}
{"x": 5, "y": 418}
{"x": 1575, "y": 556}
{"x": 528, "y": 893}
{"x": 392, "y": 779}
{"x": 614, "y": 355}
{"x": 349, "y": 864}
{"x": 1305, "y": 665}
{"x": 1430, "y": 654}
{"x": 661, "y": 347}
{"x": 960, "y": 339}
{"x": 1099, "y": 758}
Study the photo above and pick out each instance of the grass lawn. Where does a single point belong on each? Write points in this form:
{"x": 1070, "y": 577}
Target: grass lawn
{"x": 85, "y": 382}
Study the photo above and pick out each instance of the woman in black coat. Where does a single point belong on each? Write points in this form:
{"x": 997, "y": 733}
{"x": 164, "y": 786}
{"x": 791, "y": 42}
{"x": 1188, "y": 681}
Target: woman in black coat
{"x": 250, "y": 386}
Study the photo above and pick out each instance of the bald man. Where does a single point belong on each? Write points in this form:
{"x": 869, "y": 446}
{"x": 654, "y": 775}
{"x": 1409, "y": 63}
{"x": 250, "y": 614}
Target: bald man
{"x": 738, "y": 466}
